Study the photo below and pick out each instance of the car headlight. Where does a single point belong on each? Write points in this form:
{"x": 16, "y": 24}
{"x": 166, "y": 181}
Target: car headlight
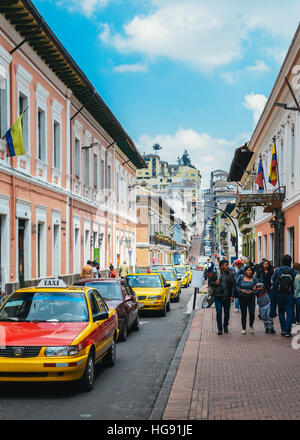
{"x": 154, "y": 297}
{"x": 62, "y": 351}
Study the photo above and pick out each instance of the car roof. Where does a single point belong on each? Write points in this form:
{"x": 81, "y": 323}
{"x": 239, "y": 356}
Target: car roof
{"x": 68, "y": 289}
{"x": 143, "y": 274}
{"x": 98, "y": 280}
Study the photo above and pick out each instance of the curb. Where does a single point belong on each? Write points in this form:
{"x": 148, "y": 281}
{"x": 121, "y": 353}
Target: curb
{"x": 163, "y": 396}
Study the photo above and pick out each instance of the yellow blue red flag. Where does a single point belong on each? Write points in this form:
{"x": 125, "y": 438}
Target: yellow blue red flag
{"x": 273, "y": 167}
{"x": 14, "y": 137}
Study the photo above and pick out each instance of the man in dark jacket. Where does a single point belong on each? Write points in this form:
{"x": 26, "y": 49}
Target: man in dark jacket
{"x": 223, "y": 286}
{"x": 283, "y": 287}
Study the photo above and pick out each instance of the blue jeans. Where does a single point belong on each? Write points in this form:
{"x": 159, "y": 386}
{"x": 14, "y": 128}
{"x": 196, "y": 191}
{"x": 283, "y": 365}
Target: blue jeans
{"x": 273, "y": 297}
{"x": 285, "y": 312}
{"x": 220, "y": 305}
{"x": 237, "y": 303}
{"x": 298, "y": 309}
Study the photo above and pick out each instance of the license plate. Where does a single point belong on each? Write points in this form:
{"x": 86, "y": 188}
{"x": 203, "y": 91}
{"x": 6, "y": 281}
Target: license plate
{"x": 151, "y": 302}
{"x": 141, "y": 305}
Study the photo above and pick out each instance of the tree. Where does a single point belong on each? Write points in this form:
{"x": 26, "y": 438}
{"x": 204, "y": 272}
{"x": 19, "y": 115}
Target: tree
{"x": 185, "y": 160}
{"x": 156, "y": 147}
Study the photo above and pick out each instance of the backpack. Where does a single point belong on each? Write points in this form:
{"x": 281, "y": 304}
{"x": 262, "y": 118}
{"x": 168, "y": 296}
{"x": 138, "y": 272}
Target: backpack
{"x": 286, "y": 282}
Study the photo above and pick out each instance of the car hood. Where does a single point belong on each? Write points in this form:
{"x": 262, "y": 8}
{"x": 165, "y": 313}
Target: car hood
{"x": 40, "y": 334}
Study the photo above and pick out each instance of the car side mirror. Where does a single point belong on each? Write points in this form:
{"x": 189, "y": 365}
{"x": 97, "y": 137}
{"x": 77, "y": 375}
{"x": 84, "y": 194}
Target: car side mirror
{"x": 100, "y": 316}
{"x": 178, "y": 278}
{"x": 128, "y": 297}
{"x": 168, "y": 285}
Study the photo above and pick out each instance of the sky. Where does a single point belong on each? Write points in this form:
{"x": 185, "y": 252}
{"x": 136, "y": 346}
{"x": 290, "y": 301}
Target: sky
{"x": 187, "y": 74}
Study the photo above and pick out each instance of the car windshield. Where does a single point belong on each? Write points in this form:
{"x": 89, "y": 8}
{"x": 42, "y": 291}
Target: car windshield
{"x": 144, "y": 281}
{"x": 107, "y": 290}
{"x": 45, "y": 307}
{"x": 168, "y": 275}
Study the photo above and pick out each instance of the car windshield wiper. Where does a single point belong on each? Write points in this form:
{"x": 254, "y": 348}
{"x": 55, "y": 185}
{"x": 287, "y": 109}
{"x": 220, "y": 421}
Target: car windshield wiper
{"x": 14, "y": 319}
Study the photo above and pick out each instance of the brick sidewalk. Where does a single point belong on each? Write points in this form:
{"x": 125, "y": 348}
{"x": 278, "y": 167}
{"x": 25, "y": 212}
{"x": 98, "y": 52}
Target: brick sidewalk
{"x": 234, "y": 376}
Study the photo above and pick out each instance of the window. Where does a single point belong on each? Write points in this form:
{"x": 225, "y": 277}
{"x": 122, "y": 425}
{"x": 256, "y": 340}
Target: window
{"x": 292, "y": 158}
{"x": 56, "y": 145}
{"x": 109, "y": 176}
{"x": 102, "y": 174}
{"x": 3, "y": 102}
{"x": 87, "y": 167}
{"x": 118, "y": 187}
{"x": 95, "y": 171}
{"x": 41, "y": 141}
{"x": 77, "y": 158}
{"x": 23, "y": 104}
{"x": 94, "y": 305}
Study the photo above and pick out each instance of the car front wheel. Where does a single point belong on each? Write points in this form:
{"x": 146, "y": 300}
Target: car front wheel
{"x": 86, "y": 383}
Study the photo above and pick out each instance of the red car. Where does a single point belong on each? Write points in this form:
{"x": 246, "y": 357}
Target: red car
{"x": 119, "y": 296}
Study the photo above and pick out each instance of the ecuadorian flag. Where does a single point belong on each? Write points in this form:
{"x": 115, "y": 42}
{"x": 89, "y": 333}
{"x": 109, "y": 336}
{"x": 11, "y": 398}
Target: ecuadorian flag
{"x": 273, "y": 167}
{"x": 14, "y": 137}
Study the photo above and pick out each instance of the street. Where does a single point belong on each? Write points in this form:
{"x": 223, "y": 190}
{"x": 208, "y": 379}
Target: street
{"x": 127, "y": 391}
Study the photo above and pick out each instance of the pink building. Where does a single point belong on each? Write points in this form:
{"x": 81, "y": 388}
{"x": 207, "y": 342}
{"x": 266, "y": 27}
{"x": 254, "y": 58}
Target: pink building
{"x": 73, "y": 192}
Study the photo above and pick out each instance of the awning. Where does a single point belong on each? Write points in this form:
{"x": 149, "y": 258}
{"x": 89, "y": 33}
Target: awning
{"x": 228, "y": 210}
{"x": 239, "y": 164}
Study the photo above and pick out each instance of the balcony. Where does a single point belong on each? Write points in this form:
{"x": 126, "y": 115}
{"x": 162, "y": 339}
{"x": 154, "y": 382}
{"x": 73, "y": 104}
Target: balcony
{"x": 162, "y": 240}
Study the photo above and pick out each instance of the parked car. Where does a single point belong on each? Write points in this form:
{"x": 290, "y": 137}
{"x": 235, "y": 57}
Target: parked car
{"x": 171, "y": 277}
{"x": 119, "y": 296}
{"x": 182, "y": 272}
{"x": 152, "y": 291}
{"x": 56, "y": 333}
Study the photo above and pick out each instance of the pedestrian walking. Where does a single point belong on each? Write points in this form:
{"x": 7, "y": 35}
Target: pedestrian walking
{"x": 86, "y": 271}
{"x": 95, "y": 269}
{"x": 123, "y": 270}
{"x": 238, "y": 268}
{"x": 222, "y": 284}
{"x": 245, "y": 285}
{"x": 297, "y": 292}
{"x": 264, "y": 303}
{"x": 283, "y": 286}
{"x": 112, "y": 273}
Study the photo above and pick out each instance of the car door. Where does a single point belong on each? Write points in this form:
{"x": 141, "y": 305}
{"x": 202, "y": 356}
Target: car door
{"x": 99, "y": 333}
{"x": 109, "y": 323}
{"x": 166, "y": 289}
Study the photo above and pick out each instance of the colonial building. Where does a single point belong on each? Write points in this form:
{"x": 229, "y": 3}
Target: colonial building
{"x": 274, "y": 214}
{"x": 71, "y": 197}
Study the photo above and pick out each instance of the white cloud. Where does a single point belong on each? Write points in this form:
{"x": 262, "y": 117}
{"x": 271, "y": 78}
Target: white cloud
{"x": 131, "y": 68}
{"x": 258, "y": 68}
{"x": 207, "y": 153}
{"x": 255, "y": 103}
{"x": 203, "y": 34}
{"x": 85, "y": 7}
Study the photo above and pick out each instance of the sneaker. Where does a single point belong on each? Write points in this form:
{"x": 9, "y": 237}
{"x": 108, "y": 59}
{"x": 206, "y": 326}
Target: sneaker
{"x": 251, "y": 330}
{"x": 267, "y": 331}
{"x": 243, "y": 332}
{"x": 272, "y": 331}
{"x": 282, "y": 333}
{"x": 220, "y": 333}
{"x": 288, "y": 335}
{"x": 236, "y": 310}
{"x": 225, "y": 330}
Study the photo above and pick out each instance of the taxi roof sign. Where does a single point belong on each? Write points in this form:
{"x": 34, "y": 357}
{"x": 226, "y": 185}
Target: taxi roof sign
{"x": 51, "y": 282}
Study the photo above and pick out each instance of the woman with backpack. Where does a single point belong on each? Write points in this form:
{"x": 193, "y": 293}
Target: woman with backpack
{"x": 245, "y": 290}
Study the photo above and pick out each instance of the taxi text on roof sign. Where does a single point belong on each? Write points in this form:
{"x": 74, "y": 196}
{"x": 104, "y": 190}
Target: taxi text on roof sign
{"x": 52, "y": 282}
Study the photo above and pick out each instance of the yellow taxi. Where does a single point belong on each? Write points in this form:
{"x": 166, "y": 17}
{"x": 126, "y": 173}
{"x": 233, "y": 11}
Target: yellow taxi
{"x": 171, "y": 278}
{"x": 55, "y": 333}
{"x": 152, "y": 291}
{"x": 182, "y": 273}
{"x": 189, "y": 269}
